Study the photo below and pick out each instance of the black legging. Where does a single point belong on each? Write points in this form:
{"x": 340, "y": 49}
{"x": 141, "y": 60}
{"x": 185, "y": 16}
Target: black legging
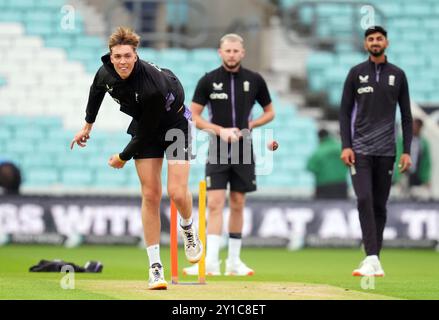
{"x": 372, "y": 181}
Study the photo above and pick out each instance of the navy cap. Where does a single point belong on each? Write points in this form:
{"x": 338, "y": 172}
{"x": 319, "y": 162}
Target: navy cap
{"x": 374, "y": 29}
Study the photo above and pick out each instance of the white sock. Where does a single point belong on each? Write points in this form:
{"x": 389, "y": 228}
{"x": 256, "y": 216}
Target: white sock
{"x": 185, "y": 222}
{"x": 373, "y": 258}
{"x": 154, "y": 254}
{"x": 212, "y": 248}
{"x": 234, "y": 249}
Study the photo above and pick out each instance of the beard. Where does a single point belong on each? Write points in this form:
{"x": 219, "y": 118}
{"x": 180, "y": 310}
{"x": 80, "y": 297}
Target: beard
{"x": 232, "y": 66}
{"x": 376, "y": 53}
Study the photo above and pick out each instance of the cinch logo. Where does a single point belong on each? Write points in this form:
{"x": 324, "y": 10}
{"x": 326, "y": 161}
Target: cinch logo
{"x": 220, "y": 96}
{"x": 365, "y": 90}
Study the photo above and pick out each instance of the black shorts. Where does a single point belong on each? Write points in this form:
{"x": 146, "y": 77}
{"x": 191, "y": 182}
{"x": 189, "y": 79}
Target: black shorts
{"x": 242, "y": 177}
{"x": 175, "y": 142}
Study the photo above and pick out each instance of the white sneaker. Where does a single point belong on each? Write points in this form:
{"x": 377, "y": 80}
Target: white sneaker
{"x": 379, "y": 272}
{"x": 193, "y": 247}
{"x": 156, "y": 278}
{"x": 212, "y": 269}
{"x": 238, "y": 268}
{"x": 369, "y": 268}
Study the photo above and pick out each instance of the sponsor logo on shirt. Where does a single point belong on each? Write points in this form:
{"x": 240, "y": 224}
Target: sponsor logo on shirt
{"x": 246, "y": 85}
{"x": 364, "y": 79}
{"x": 391, "y": 80}
{"x": 109, "y": 89}
{"x": 367, "y": 89}
{"x": 217, "y": 86}
{"x": 219, "y": 96}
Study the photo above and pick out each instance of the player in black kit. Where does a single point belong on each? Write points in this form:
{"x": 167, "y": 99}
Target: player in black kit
{"x": 367, "y": 126}
{"x": 154, "y": 98}
{"x": 230, "y": 93}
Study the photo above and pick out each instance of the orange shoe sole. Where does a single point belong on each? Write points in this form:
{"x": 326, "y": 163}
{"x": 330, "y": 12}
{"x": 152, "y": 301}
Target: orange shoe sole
{"x": 234, "y": 274}
{"x": 159, "y": 287}
{"x": 358, "y": 274}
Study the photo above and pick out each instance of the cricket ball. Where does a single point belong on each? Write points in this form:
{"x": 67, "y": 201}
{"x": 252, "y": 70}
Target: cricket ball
{"x": 272, "y": 145}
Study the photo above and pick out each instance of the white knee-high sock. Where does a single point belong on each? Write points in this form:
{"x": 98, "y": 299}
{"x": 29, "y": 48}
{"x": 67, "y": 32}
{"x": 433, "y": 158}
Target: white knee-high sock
{"x": 212, "y": 248}
{"x": 154, "y": 254}
{"x": 234, "y": 249}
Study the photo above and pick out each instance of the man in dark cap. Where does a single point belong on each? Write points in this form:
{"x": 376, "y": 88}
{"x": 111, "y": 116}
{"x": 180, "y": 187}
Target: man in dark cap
{"x": 367, "y": 126}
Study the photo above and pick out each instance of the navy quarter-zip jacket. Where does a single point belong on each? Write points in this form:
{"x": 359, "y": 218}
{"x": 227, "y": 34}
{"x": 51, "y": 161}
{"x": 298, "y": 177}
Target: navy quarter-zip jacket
{"x": 230, "y": 97}
{"x": 368, "y": 109}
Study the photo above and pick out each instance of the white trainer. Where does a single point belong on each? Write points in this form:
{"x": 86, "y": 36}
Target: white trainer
{"x": 379, "y": 272}
{"x": 238, "y": 268}
{"x": 156, "y": 278}
{"x": 212, "y": 269}
{"x": 369, "y": 268}
{"x": 193, "y": 247}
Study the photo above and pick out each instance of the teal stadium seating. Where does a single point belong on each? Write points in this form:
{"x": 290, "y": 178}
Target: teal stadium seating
{"x": 413, "y": 31}
{"x": 40, "y": 144}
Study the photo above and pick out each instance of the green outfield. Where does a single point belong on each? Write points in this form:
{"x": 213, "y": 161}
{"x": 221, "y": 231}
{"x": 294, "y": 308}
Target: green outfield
{"x": 280, "y": 274}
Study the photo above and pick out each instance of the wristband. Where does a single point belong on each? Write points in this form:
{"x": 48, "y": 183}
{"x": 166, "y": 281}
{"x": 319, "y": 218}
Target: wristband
{"x": 118, "y": 157}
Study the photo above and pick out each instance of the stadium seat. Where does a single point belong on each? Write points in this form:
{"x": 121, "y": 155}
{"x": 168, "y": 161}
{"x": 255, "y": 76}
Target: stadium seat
{"x": 110, "y": 178}
{"x": 417, "y": 8}
{"x": 402, "y": 17}
{"x": 20, "y": 146}
{"x": 52, "y": 4}
{"x": 287, "y": 3}
{"x": 40, "y": 28}
{"x": 59, "y": 41}
{"x": 75, "y": 57}
{"x": 205, "y": 56}
{"x": 172, "y": 55}
{"x": 77, "y": 177}
{"x": 22, "y": 4}
{"x": 40, "y": 16}
{"x": 9, "y": 15}
{"x": 39, "y": 177}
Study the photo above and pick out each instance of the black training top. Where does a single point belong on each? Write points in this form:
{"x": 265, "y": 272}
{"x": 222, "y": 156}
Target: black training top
{"x": 154, "y": 97}
{"x": 368, "y": 108}
{"x": 230, "y": 97}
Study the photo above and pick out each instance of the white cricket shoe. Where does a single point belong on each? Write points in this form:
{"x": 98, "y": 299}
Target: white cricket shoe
{"x": 369, "y": 268}
{"x": 156, "y": 278}
{"x": 238, "y": 268}
{"x": 212, "y": 269}
{"x": 193, "y": 247}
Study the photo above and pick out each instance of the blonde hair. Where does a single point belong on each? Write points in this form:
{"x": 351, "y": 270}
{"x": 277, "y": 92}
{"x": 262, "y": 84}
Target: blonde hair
{"x": 233, "y": 37}
{"x": 124, "y": 36}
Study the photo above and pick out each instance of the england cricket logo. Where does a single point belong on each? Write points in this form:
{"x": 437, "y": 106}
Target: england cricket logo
{"x": 217, "y": 86}
{"x": 363, "y": 79}
{"x": 246, "y": 85}
{"x": 391, "y": 80}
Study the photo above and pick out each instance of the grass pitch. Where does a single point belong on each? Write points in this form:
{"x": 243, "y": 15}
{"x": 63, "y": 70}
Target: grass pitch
{"x": 280, "y": 274}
